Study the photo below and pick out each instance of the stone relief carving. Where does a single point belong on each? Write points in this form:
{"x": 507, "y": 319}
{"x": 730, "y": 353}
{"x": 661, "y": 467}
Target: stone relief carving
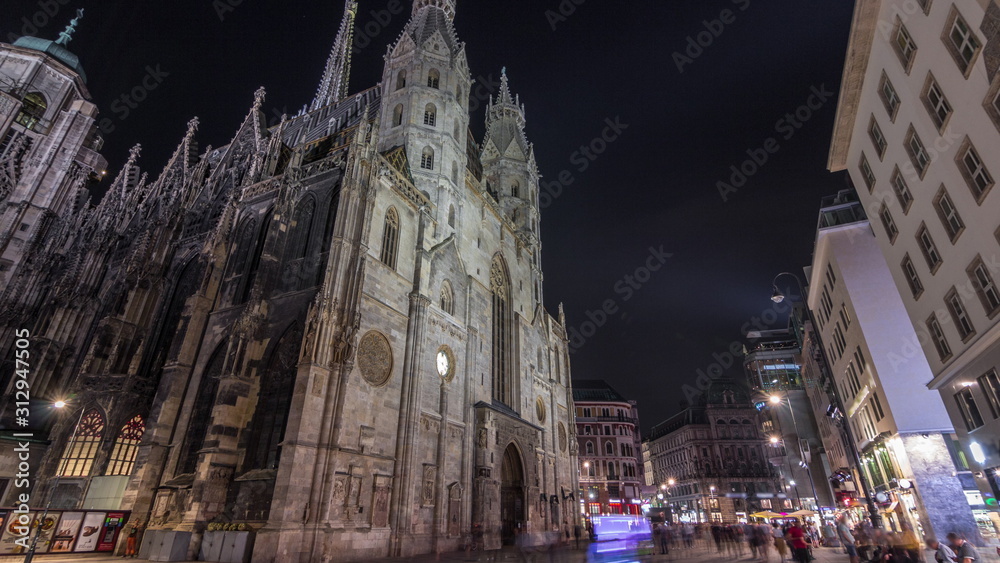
{"x": 375, "y": 358}
{"x": 427, "y": 490}
{"x": 562, "y": 437}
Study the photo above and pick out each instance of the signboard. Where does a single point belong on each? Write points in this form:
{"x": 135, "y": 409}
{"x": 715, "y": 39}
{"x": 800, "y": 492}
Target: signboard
{"x": 90, "y": 532}
{"x": 48, "y": 530}
{"x": 113, "y": 523}
{"x": 66, "y": 532}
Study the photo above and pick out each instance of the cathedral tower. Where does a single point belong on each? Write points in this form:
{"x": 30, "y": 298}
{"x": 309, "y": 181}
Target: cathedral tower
{"x": 425, "y": 104}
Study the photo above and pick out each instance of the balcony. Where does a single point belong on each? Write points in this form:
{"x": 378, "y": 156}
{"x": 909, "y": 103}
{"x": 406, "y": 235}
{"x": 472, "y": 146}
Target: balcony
{"x": 621, "y": 419}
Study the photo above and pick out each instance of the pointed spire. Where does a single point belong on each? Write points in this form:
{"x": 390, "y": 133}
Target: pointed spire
{"x": 66, "y": 35}
{"x": 336, "y": 77}
{"x": 447, "y": 6}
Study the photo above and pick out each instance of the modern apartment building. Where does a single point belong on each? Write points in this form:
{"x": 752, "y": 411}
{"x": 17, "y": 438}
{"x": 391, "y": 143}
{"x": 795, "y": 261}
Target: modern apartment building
{"x": 610, "y": 454}
{"x": 917, "y": 129}
{"x": 901, "y": 428}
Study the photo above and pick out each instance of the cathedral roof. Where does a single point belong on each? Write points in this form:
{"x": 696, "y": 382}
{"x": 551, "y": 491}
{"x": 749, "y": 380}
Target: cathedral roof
{"x": 55, "y": 50}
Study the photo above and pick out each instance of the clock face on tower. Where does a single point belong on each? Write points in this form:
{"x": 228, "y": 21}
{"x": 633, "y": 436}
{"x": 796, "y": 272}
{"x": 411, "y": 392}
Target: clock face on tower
{"x": 445, "y": 363}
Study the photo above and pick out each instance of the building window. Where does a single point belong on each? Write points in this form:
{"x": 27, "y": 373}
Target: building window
{"x": 390, "y": 238}
{"x": 831, "y": 277}
{"x": 958, "y": 314}
{"x": 78, "y": 457}
{"x": 434, "y": 78}
{"x": 937, "y": 105}
{"x": 992, "y": 102}
{"x": 889, "y": 97}
{"x": 946, "y": 210}
{"x": 878, "y": 139}
{"x": 905, "y": 47}
{"x": 427, "y": 159}
{"x": 503, "y": 383}
{"x": 912, "y": 278}
{"x": 447, "y": 298}
{"x": 126, "y": 447}
{"x": 430, "y": 115}
{"x": 890, "y": 225}
{"x": 918, "y": 154}
{"x": 937, "y": 335}
{"x": 990, "y": 384}
{"x": 33, "y": 108}
{"x": 397, "y": 115}
{"x": 962, "y": 42}
{"x": 970, "y": 411}
{"x": 986, "y": 288}
{"x": 451, "y": 216}
{"x": 972, "y": 168}
{"x": 845, "y": 315}
{"x": 866, "y": 172}
{"x": 401, "y": 80}
{"x": 902, "y": 190}
{"x": 929, "y": 249}
{"x": 877, "y": 408}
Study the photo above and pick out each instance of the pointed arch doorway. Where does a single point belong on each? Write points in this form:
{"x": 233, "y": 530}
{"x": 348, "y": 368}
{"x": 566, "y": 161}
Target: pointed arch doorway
{"x": 511, "y": 494}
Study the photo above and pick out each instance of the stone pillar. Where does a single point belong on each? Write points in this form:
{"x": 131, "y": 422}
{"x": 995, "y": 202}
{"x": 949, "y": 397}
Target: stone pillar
{"x": 941, "y": 503}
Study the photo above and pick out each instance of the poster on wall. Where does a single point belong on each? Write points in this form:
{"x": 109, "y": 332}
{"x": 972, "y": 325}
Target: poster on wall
{"x": 13, "y": 531}
{"x": 66, "y": 532}
{"x": 109, "y": 532}
{"x": 90, "y": 532}
{"x": 48, "y": 525}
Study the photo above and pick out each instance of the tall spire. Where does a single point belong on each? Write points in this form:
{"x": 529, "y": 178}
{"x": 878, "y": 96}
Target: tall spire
{"x": 337, "y": 75}
{"x": 447, "y": 6}
{"x": 66, "y": 35}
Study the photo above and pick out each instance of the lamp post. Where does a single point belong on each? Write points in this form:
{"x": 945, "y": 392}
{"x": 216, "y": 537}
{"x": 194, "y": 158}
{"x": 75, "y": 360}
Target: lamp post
{"x": 852, "y": 447}
{"x": 776, "y": 400}
{"x": 30, "y": 554}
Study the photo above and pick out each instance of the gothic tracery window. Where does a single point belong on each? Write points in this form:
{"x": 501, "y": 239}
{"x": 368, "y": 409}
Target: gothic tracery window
{"x": 434, "y": 78}
{"x": 267, "y": 429}
{"x": 397, "y": 115}
{"x": 401, "y": 80}
{"x": 126, "y": 447}
{"x": 201, "y": 414}
{"x": 390, "y": 238}
{"x": 451, "y": 216}
{"x": 430, "y": 115}
{"x": 447, "y": 298}
{"x": 78, "y": 457}
{"x": 503, "y": 378}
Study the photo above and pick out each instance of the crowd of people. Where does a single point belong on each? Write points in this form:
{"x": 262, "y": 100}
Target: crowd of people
{"x": 867, "y": 544}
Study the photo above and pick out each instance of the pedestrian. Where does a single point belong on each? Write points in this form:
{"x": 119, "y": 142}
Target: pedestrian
{"x": 847, "y": 538}
{"x": 965, "y": 552}
{"x": 779, "y": 542}
{"x": 796, "y": 538}
{"x": 131, "y": 540}
{"x": 576, "y": 534}
{"x": 942, "y": 553}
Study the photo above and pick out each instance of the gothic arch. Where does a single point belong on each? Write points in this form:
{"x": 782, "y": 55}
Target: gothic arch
{"x": 401, "y": 79}
{"x": 201, "y": 411}
{"x": 397, "y": 115}
{"x": 512, "y": 482}
{"x": 390, "y": 238}
{"x": 430, "y": 115}
{"x": 84, "y": 443}
{"x": 274, "y": 401}
{"x": 504, "y": 375}
{"x": 447, "y": 298}
{"x": 126, "y": 447}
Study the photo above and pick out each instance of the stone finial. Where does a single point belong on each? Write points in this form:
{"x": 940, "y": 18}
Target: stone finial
{"x": 192, "y": 127}
{"x": 258, "y": 98}
{"x": 66, "y": 35}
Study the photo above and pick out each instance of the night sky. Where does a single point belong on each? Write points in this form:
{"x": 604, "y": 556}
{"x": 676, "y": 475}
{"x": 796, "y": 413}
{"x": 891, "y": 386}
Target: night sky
{"x": 654, "y": 187}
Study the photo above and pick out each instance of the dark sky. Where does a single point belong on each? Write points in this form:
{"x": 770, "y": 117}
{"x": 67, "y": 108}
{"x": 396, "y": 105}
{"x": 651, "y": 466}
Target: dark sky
{"x": 654, "y": 186}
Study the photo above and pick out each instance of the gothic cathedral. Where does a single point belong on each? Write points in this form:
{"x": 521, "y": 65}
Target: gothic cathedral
{"x": 328, "y": 333}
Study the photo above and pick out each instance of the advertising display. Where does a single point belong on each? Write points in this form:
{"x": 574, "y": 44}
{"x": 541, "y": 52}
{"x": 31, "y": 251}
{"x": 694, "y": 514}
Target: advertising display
{"x": 48, "y": 525}
{"x": 90, "y": 532}
{"x": 13, "y": 531}
{"x": 113, "y": 523}
{"x": 66, "y": 532}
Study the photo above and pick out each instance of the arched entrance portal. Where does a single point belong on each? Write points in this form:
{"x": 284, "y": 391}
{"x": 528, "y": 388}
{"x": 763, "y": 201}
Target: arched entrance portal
{"x": 511, "y": 493}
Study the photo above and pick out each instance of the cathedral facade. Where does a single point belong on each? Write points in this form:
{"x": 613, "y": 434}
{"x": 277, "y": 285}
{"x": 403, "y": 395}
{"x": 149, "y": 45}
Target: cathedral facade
{"x": 328, "y": 333}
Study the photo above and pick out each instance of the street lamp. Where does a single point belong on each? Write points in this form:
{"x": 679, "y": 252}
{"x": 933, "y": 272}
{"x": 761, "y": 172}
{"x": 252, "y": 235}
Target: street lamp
{"x": 30, "y": 554}
{"x": 777, "y": 296}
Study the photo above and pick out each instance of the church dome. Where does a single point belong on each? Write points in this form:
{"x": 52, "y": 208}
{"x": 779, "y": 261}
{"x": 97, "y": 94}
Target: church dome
{"x": 55, "y": 50}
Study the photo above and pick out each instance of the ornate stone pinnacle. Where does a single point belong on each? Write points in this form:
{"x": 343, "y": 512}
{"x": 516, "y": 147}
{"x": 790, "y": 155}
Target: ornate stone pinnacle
{"x": 66, "y": 35}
